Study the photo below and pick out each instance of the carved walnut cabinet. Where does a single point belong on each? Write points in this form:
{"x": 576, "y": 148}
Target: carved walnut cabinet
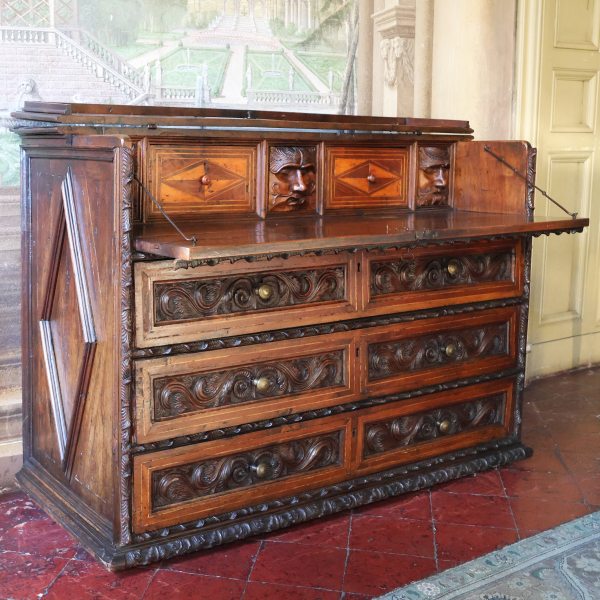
{"x": 234, "y": 322}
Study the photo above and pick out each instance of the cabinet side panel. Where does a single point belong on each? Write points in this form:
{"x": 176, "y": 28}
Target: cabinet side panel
{"x": 74, "y": 335}
{"x": 484, "y": 184}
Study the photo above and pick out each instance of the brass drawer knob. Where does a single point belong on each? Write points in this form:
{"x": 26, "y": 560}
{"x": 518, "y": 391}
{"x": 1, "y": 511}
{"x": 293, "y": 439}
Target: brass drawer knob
{"x": 453, "y": 268}
{"x": 264, "y": 291}
{"x": 261, "y": 470}
{"x": 371, "y": 178}
{"x": 450, "y": 350}
{"x": 205, "y": 180}
{"x": 262, "y": 384}
{"x": 444, "y": 426}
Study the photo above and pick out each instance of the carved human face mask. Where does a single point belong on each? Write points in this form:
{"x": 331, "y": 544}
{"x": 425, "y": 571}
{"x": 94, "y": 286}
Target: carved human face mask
{"x": 434, "y": 167}
{"x": 294, "y": 169}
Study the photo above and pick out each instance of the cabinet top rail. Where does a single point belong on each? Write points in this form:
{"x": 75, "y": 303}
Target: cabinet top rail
{"x": 176, "y": 117}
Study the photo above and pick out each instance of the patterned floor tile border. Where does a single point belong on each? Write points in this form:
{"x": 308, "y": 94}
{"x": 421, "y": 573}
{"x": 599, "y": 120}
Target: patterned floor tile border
{"x": 559, "y": 564}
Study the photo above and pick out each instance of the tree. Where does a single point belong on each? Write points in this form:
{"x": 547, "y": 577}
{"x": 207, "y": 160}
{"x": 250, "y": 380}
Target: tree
{"x": 339, "y": 15}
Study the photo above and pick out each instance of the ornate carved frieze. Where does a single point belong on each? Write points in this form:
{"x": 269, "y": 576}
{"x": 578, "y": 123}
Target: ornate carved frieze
{"x": 180, "y": 484}
{"x": 178, "y": 395}
{"x": 434, "y": 170}
{"x": 383, "y": 436}
{"x": 413, "y": 354}
{"x": 420, "y": 274}
{"x": 198, "y": 298}
{"x": 292, "y": 177}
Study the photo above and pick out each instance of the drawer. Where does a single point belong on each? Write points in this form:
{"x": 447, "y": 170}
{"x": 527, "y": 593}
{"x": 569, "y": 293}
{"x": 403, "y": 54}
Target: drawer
{"x": 434, "y": 424}
{"x": 366, "y": 178}
{"x": 188, "y": 393}
{"x": 421, "y": 353}
{"x": 437, "y": 276}
{"x": 174, "y": 306}
{"x": 183, "y": 484}
{"x": 191, "y": 179}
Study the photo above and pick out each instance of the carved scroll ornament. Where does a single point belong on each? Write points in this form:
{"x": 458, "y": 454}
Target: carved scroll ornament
{"x": 180, "y": 484}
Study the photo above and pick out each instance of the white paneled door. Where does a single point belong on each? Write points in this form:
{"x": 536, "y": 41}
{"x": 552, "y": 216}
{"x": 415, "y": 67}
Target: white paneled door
{"x": 560, "y": 114}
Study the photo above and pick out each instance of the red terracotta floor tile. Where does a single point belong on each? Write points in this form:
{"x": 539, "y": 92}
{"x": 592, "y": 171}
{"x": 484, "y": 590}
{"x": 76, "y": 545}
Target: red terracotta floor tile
{"x": 582, "y": 462}
{"x": 374, "y": 573}
{"x": 544, "y": 459}
{"x": 537, "y": 438}
{"x": 535, "y": 515}
{"x": 273, "y": 591}
{"x": 170, "y": 585}
{"x": 25, "y": 577}
{"x": 461, "y": 543}
{"x": 41, "y": 537}
{"x": 483, "y": 484}
{"x": 300, "y": 564}
{"x": 333, "y": 529}
{"x": 232, "y": 560}
{"x": 410, "y": 506}
{"x": 589, "y": 484}
{"x": 402, "y": 536}
{"x": 468, "y": 509}
{"x": 537, "y": 484}
{"x": 84, "y": 580}
{"x": 17, "y": 508}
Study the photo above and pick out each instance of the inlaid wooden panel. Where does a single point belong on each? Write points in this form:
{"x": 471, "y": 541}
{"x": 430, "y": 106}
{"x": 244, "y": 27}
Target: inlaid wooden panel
{"x": 195, "y": 179}
{"x": 435, "y": 424}
{"x": 182, "y": 484}
{"x": 189, "y": 393}
{"x": 366, "y": 178}
{"x": 186, "y": 305}
{"x": 443, "y": 274}
{"x": 426, "y": 352}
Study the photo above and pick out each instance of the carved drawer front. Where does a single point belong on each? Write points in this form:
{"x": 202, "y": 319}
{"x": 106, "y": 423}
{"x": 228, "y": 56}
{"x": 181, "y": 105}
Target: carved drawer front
{"x": 190, "y": 179}
{"x": 189, "y": 393}
{"x": 435, "y": 424}
{"x": 366, "y": 178}
{"x": 212, "y": 478}
{"x": 440, "y": 275}
{"x": 411, "y": 355}
{"x": 208, "y": 302}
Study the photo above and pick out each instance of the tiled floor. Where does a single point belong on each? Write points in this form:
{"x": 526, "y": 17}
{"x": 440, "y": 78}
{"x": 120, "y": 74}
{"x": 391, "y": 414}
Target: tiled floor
{"x": 353, "y": 555}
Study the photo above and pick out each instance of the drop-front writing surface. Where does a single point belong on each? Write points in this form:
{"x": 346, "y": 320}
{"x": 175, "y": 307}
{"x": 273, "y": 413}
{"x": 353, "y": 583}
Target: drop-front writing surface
{"x": 341, "y": 317}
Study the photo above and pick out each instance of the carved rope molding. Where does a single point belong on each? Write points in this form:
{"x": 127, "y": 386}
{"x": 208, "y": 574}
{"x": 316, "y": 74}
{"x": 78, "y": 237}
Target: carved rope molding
{"x": 208, "y": 477}
{"x": 394, "y": 276}
{"x": 391, "y": 358}
{"x": 126, "y": 155}
{"x": 383, "y": 436}
{"x": 175, "y": 396}
{"x": 186, "y": 300}
{"x": 326, "y": 501}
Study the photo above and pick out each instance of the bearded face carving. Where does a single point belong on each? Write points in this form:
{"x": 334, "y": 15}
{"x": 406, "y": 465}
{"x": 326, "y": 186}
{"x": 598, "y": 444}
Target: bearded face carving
{"x": 434, "y": 169}
{"x": 292, "y": 181}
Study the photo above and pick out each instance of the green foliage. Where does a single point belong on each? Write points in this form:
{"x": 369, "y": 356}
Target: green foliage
{"x": 270, "y": 71}
{"x": 177, "y": 71}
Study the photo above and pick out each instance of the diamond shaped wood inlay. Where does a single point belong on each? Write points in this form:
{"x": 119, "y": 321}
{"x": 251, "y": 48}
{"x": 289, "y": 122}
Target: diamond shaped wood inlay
{"x": 67, "y": 327}
{"x": 368, "y": 177}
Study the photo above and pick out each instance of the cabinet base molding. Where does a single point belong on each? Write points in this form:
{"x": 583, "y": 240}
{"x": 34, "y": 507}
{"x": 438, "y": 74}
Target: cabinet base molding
{"x": 151, "y": 547}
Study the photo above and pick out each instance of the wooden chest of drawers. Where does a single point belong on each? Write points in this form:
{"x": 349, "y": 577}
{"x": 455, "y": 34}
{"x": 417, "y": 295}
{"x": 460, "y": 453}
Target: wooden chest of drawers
{"x": 337, "y": 315}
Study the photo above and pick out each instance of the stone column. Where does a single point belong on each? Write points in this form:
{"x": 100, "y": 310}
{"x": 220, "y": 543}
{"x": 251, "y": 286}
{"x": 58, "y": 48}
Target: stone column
{"x": 395, "y": 37}
{"x": 364, "y": 58}
{"x": 423, "y": 57}
{"x": 473, "y": 64}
